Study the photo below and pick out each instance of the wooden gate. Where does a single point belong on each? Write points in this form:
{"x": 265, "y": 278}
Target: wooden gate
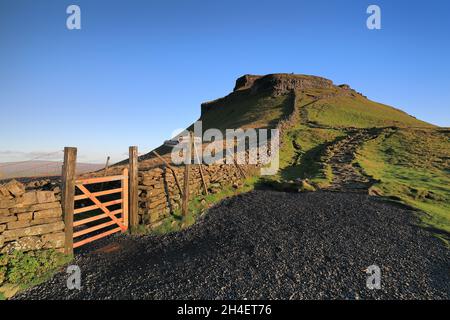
{"x": 116, "y": 220}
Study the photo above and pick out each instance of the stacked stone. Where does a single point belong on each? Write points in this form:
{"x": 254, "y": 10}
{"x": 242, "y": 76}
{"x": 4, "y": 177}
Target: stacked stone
{"x": 29, "y": 220}
{"x": 290, "y": 121}
{"x": 152, "y": 196}
{"x": 159, "y": 194}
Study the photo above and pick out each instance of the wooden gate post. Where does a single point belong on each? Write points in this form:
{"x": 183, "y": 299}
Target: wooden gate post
{"x": 67, "y": 195}
{"x": 187, "y": 167}
{"x": 133, "y": 187}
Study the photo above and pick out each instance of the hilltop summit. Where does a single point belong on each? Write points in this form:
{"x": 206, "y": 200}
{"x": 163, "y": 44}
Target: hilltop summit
{"x": 281, "y": 82}
{"x": 261, "y": 100}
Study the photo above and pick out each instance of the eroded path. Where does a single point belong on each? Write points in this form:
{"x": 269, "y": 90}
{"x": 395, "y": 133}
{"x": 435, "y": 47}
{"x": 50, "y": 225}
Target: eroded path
{"x": 268, "y": 245}
{"x": 346, "y": 176}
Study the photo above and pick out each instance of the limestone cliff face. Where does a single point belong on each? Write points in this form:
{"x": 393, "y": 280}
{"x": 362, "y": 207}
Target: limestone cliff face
{"x": 273, "y": 84}
{"x": 278, "y": 84}
{"x": 245, "y": 82}
{"x": 281, "y": 83}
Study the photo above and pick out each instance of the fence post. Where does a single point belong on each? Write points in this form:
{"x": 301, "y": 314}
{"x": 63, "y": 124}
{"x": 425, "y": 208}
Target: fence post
{"x": 187, "y": 166}
{"x": 133, "y": 187}
{"x": 107, "y": 165}
{"x": 200, "y": 163}
{"x": 171, "y": 168}
{"x": 106, "y": 172}
{"x": 67, "y": 195}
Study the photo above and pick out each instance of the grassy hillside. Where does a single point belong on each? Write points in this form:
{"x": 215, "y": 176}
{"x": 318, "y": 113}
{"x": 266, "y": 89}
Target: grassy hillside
{"x": 410, "y": 162}
{"x": 301, "y": 155}
{"x": 357, "y": 111}
{"x": 325, "y": 114}
{"x": 243, "y": 110}
{"x": 413, "y": 165}
{"x": 334, "y": 144}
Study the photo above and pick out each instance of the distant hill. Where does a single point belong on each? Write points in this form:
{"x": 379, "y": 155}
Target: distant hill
{"x": 259, "y": 101}
{"x": 339, "y": 140}
{"x": 40, "y": 169}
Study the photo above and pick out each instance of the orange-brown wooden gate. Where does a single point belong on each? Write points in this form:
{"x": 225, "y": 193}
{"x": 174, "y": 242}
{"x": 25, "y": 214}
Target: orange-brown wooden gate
{"x": 116, "y": 220}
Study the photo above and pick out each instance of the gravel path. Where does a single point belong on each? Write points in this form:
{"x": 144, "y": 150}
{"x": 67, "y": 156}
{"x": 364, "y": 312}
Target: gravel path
{"x": 268, "y": 245}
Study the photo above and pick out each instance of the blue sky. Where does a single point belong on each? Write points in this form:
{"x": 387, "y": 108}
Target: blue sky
{"x": 138, "y": 70}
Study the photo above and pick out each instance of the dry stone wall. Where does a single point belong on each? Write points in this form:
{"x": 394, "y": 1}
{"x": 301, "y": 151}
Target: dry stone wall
{"x": 291, "y": 120}
{"x": 31, "y": 217}
{"x": 29, "y": 220}
{"x": 159, "y": 194}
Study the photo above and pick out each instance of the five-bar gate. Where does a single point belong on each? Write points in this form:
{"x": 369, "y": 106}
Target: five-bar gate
{"x": 91, "y": 211}
{"x": 113, "y": 220}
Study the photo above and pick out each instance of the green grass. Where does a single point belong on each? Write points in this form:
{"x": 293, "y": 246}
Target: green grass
{"x": 358, "y": 112}
{"x": 27, "y": 269}
{"x": 199, "y": 205}
{"x": 243, "y": 110}
{"x": 412, "y": 165}
{"x": 304, "y": 144}
{"x": 300, "y": 156}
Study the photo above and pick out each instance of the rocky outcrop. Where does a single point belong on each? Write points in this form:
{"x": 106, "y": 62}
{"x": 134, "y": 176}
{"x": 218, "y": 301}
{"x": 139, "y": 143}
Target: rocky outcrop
{"x": 281, "y": 83}
{"x": 346, "y": 88}
{"x": 245, "y": 82}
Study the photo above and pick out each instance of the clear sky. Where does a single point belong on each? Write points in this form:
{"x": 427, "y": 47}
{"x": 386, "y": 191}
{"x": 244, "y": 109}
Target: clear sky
{"x": 138, "y": 70}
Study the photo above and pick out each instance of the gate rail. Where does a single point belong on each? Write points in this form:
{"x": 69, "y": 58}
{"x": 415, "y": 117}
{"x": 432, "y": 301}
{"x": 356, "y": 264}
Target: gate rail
{"x": 121, "y": 221}
{"x": 126, "y": 216}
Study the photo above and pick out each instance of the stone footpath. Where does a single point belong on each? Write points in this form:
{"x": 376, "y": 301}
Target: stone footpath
{"x": 340, "y": 156}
